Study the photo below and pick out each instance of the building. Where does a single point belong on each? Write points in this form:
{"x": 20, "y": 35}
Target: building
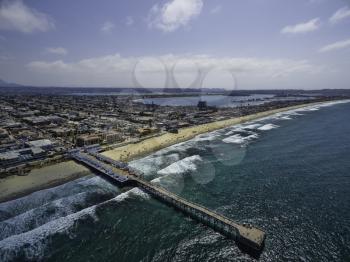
{"x": 202, "y": 105}
{"x": 43, "y": 120}
{"x": 61, "y": 132}
{"x": 9, "y": 159}
{"x": 87, "y": 140}
{"x": 45, "y": 144}
{"x": 27, "y": 134}
{"x": 16, "y": 157}
{"x": 146, "y": 131}
{"x": 38, "y": 152}
{"x": 112, "y": 137}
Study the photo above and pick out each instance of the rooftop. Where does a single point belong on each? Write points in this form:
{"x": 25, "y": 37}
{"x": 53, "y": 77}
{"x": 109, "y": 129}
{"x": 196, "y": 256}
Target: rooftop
{"x": 40, "y": 143}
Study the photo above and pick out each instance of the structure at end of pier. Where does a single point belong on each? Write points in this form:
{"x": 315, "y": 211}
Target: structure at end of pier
{"x": 120, "y": 174}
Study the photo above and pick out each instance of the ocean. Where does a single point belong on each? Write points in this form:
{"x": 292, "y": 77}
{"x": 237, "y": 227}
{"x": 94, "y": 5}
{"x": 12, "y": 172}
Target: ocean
{"x": 288, "y": 174}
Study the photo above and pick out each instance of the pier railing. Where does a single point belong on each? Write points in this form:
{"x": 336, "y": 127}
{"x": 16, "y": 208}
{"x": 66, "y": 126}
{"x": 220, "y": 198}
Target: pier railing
{"x": 245, "y": 234}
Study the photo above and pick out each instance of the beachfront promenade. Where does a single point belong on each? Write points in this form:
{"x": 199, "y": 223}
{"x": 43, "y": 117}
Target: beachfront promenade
{"x": 122, "y": 175}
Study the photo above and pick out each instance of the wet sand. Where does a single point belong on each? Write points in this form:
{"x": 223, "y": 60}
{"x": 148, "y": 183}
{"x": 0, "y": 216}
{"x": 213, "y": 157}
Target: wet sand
{"x": 17, "y": 186}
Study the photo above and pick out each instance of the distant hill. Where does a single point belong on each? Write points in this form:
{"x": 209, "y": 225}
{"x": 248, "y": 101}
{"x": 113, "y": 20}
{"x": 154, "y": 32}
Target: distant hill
{"x": 292, "y": 92}
{"x": 19, "y": 89}
{"x": 5, "y": 84}
{"x": 11, "y": 88}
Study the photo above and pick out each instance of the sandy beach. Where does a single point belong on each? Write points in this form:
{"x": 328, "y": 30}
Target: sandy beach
{"x": 16, "y": 186}
{"x": 133, "y": 151}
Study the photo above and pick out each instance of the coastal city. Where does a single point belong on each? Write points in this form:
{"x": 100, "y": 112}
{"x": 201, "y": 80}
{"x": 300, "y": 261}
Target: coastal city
{"x": 174, "y": 131}
{"x": 37, "y": 130}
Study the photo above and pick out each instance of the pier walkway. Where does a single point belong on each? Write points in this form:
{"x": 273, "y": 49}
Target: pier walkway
{"x": 100, "y": 167}
{"x": 247, "y": 235}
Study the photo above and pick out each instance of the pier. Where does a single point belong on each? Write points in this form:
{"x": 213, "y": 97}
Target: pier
{"x": 122, "y": 175}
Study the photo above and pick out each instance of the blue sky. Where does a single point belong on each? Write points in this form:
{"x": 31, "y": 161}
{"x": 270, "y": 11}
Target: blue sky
{"x": 262, "y": 43}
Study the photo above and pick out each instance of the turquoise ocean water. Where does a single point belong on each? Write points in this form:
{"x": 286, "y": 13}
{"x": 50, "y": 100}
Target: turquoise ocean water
{"x": 288, "y": 174}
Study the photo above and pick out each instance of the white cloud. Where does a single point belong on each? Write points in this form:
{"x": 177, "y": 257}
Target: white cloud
{"x": 107, "y": 27}
{"x": 115, "y": 70}
{"x": 129, "y": 21}
{"x": 16, "y": 16}
{"x": 309, "y": 26}
{"x": 57, "y": 50}
{"x": 335, "y": 46}
{"x": 341, "y": 14}
{"x": 174, "y": 14}
{"x": 217, "y": 9}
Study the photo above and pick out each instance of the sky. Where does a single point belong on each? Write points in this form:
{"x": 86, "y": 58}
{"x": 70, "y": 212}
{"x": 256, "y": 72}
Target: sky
{"x": 244, "y": 44}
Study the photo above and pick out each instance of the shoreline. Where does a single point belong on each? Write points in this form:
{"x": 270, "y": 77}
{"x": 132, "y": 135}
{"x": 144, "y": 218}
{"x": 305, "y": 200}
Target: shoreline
{"x": 141, "y": 149}
{"x": 14, "y": 187}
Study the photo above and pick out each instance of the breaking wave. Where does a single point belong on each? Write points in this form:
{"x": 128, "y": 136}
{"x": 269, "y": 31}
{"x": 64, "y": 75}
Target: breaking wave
{"x": 267, "y": 127}
{"x": 207, "y": 137}
{"x": 239, "y": 139}
{"x": 251, "y": 126}
{"x": 150, "y": 164}
{"x": 132, "y": 192}
{"x": 41, "y": 215}
{"x": 15, "y": 207}
{"x": 182, "y": 166}
{"x": 50, "y": 211}
{"x": 29, "y": 224}
{"x": 31, "y": 245}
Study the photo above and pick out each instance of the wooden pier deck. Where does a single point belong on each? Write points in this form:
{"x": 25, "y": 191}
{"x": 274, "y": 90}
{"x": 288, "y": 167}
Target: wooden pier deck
{"x": 247, "y": 235}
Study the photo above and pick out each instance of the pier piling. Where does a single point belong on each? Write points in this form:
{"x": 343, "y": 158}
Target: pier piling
{"x": 247, "y": 235}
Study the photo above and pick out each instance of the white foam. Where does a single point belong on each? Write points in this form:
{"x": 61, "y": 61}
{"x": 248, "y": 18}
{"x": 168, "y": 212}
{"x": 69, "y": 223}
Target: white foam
{"x": 267, "y": 127}
{"x": 206, "y": 137}
{"x": 33, "y": 243}
{"x": 39, "y": 216}
{"x": 242, "y": 129}
{"x": 182, "y": 166}
{"x": 20, "y": 205}
{"x": 286, "y": 118}
{"x": 132, "y": 192}
{"x": 171, "y": 182}
{"x": 313, "y": 109}
{"x": 180, "y": 147}
{"x": 156, "y": 180}
{"x": 235, "y": 139}
{"x": 96, "y": 180}
{"x": 251, "y": 126}
{"x": 98, "y": 183}
{"x": 150, "y": 164}
{"x": 334, "y": 103}
{"x": 295, "y": 113}
{"x": 230, "y": 133}
{"x": 238, "y": 139}
{"x": 319, "y": 106}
